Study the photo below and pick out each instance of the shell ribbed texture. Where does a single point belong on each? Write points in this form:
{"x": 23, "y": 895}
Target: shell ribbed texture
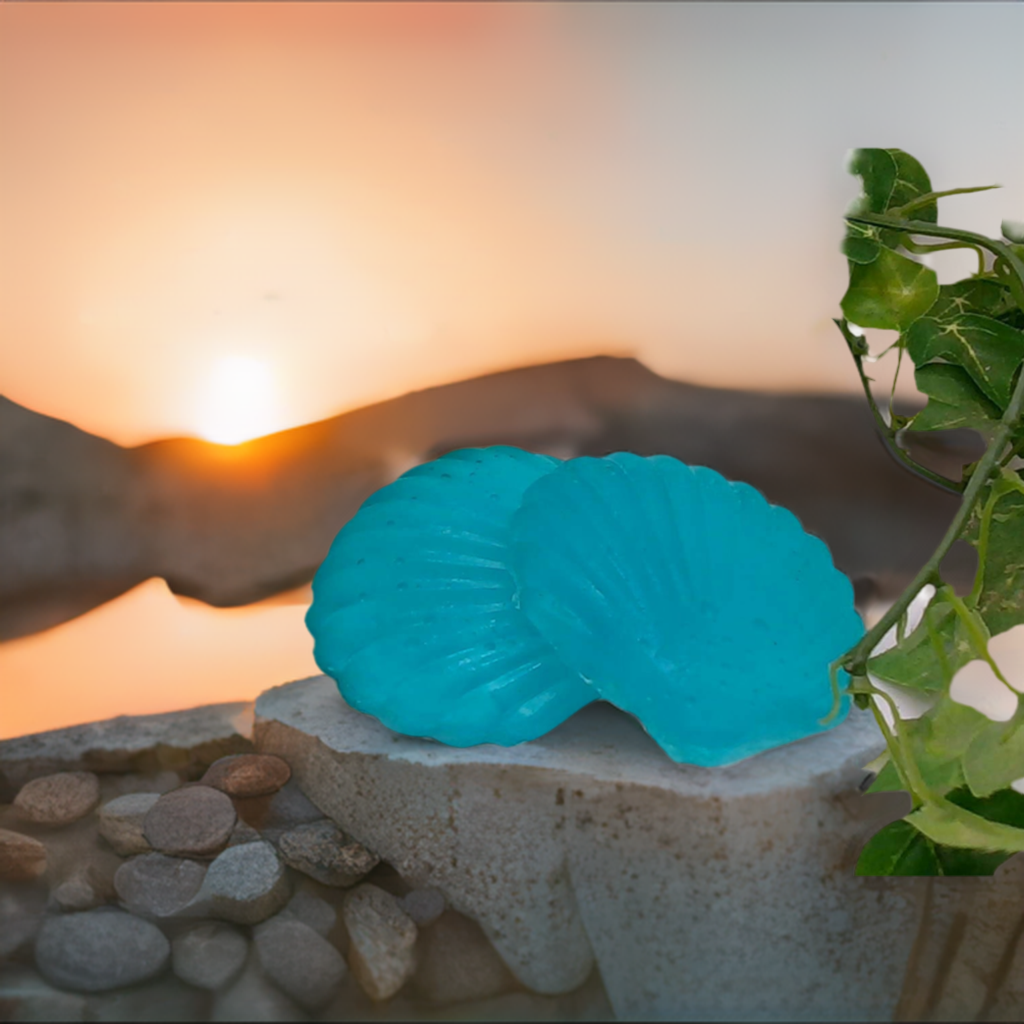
{"x": 486, "y": 596}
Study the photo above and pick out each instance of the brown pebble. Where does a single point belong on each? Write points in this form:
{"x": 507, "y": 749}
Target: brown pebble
{"x": 194, "y": 821}
{"x": 22, "y": 858}
{"x": 58, "y": 799}
{"x": 248, "y": 775}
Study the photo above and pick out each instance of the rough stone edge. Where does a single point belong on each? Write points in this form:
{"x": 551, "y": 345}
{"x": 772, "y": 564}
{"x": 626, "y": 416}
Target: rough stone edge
{"x": 186, "y": 741}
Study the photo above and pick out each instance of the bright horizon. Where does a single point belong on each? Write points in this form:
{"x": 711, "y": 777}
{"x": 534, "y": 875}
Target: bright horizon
{"x": 348, "y": 202}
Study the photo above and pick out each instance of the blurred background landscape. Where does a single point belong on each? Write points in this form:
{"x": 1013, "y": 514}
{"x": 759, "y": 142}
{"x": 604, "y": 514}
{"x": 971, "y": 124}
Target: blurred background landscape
{"x": 256, "y": 260}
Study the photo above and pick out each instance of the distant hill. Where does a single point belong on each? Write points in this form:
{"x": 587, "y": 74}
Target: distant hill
{"x": 83, "y": 519}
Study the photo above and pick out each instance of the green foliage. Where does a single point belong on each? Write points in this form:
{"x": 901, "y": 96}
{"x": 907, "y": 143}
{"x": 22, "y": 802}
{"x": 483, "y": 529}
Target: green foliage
{"x": 966, "y": 343}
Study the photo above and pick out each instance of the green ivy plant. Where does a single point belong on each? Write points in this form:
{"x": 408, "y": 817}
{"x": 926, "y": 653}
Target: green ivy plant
{"x": 966, "y": 343}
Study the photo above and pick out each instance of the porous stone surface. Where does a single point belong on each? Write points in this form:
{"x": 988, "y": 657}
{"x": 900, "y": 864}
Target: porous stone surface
{"x": 248, "y": 775}
{"x": 253, "y": 998}
{"x": 382, "y": 950}
{"x": 22, "y": 858}
{"x": 209, "y": 955}
{"x": 311, "y": 910}
{"x": 21, "y": 914}
{"x": 299, "y": 961}
{"x": 25, "y": 996}
{"x": 245, "y": 884}
{"x": 424, "y": 906}
{"x": 120, "y": 822}
{"x": 590, "y": 844}
{"x": 457, "y": 964}
{"x": 195, "y": 821}
{"x": 181, "y": 741}
{"x": 100, "y": 950}
{"x": 58, "y": 799}
{"x": 155, "y": 885}
{"x": 322, "y": 851}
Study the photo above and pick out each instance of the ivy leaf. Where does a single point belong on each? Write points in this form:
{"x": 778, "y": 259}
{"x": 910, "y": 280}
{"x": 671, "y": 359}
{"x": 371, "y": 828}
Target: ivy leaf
{"x": 900, "y": 849}
{"x": 913, "y": 661}
{"x": 889, "y": 293}
{"x": 891, "y": 178}
{"x": 887, "y": 780}
{"x": 995, "y": 757}
{"x": 911, "y": 183}
{"x": 1001, "y": 602}
{"x": 990, "y": 351}
{"x": 861, "y": 243}
{"x": 972, "y": 295}
{"x": 954, "y": 400}
{"x": 940, "y": 738}
{"x": 950, "y": 825}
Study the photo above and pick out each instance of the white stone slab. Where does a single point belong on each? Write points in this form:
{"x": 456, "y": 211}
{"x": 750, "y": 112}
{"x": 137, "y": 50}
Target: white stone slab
{"x": 702, "y": 894}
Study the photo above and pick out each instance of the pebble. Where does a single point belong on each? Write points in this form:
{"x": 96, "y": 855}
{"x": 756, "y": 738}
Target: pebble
{"x": 166, "y": 999}
{"x": 120, "y": 822}
{"x": 322, "y": 851}
{"x": 209, "y": 955}
{"x": 253, "y": 998}
{"x": 424, "y": 906}
{"x": 245, "y": 884}
{"x": 300, "y": 962}
{"x": 58, "y": 799}
{"x": 194, "y": 821}
{"x": 285, "y": 809}
{"x": 311, "y": 910}
{"x": 457, "y": 963}
{"x": 22, "y": 858}
{"x": 21, "y": 914}
{"x": 248, "y": 775}
{"x": 243, "y": 833}
{"x": 24, "y": 996}
{"x": 100, "y": 950}
{"x": 155, "y": 885}
{"x": 382, "y": 950}
{"x": 77, "y": 893}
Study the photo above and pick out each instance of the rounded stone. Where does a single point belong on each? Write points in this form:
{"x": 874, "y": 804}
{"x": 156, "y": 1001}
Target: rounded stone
{"x": 248, "y": 775}
{"x": 58, "y": 799}
{"x": 245, "y": 884}
{"x": 209, "y": 955}
{"x": 424, "y": 906}
{"x": 195, "y": 821}
{"x": 155, "y": 885}
{"x": 22, "y": 858}
{"x": 382, "y": 953}
{"x": 121, "y": 819}
{"x": 299, "y": 961}
{"x": 322, "y": 851}
{"x": 100, "y": 950}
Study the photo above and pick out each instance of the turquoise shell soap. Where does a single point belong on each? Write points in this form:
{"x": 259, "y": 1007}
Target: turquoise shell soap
{"x": 414, "y": 611}
{"x": 685, "y": 599}
{"x": 488, "y": 595}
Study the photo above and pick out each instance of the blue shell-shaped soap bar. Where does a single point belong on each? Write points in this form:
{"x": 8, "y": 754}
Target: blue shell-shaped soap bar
{"x": 414, "y": 614}
{"x": 686, "y": 600}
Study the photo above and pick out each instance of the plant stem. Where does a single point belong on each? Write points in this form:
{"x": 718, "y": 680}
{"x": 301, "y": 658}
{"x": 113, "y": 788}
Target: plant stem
{"x": 885, "y": 433}
{"x": 855, "y": 661}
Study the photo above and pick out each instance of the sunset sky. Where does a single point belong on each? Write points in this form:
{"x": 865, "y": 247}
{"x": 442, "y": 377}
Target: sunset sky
{"x": 225, "y": 219}
{"x": 222, "y": 220}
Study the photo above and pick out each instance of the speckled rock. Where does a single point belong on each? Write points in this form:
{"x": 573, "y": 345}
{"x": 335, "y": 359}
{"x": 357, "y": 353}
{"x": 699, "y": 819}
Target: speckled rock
{"x": 121, "y": 819}
{"x": 382, "y": 950}
{"x": 77, "y": 893}
{"x": 194, "y": 821}
{"x": 209, "y": 954}
{"x": 155, "y": 885}
{"x": 100, "y": 950}
{"x": 556, "y": 848}
{"x": 299, "y": 961}
{"x": 456, "y": 963}
{"x": 253, "y": 998}
{"x": 22, "y": 858}
{"x": 424, "y": 906}
{"x": 243, "y": 833}
{"x": 24, "y": 996}
{"x": 245, "y": 884}
{"x": 58, "y": 799}
{"x": 21, "y": 914}
{"x": 311, "y": 910}
{"x": 322, "y": 851}
{"x": 248, "y": 775}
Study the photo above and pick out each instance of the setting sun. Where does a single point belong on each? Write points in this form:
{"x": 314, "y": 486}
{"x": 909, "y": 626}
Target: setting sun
{"x": 241, "y": 401}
